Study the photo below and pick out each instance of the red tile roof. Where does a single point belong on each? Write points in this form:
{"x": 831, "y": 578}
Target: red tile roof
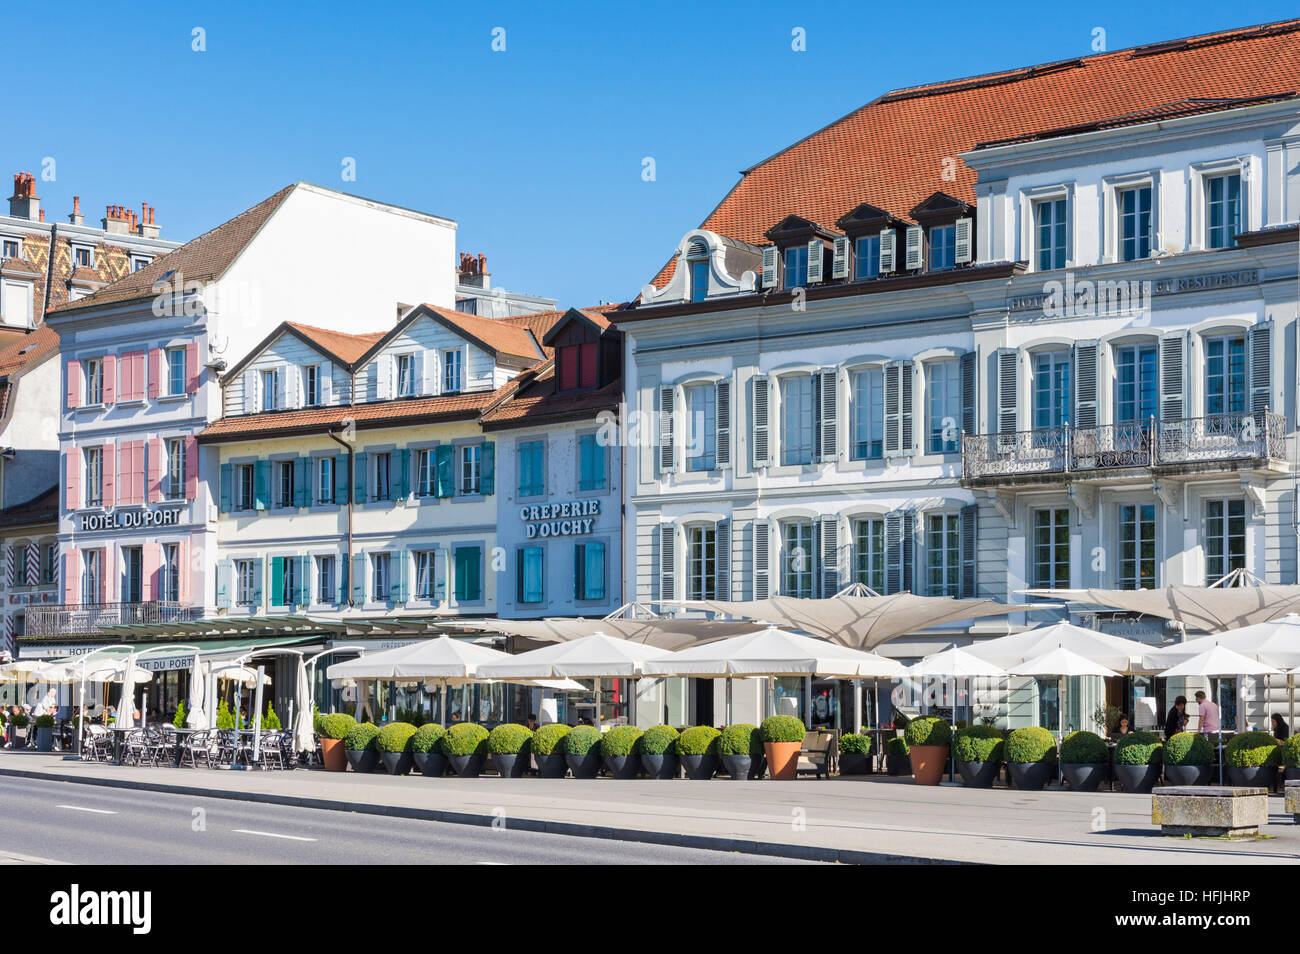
{"x": 497, "y": 335}
{"x": 893, "y": 152}
{"x": 29, "y": 349}
{"x": 347, "y": 348}
{"x": 370, "y": 415}
{"x": 531, "y": 399}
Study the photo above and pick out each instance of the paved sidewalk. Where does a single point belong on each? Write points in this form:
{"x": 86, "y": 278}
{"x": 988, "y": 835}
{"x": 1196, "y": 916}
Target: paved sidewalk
{"x": 858, "y": 819}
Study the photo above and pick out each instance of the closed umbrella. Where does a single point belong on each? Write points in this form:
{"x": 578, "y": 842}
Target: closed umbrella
{"x": 196, "y": 717}
{"x": 304, "y": 739}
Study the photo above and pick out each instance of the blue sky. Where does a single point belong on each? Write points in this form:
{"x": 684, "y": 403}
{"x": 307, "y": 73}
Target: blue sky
{"x": 537, "y": 151}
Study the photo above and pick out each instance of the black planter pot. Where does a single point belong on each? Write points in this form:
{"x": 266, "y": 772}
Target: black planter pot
{"x": 551, "y": 766}
{"x": 1291, "y": 773}
{"x": 978, "y": 774}
{"x": 466, "y": 766}
{"x": 898, "y": 764}
{"x": 584, "y": 766}
{"x": 1084, "y": 776}
{"x": 660, "y": 766}
{"x": 743, "y": 767}
{"x": 855, "y": 763}
{"x": 510, "y": 764}
{"x": 699, "y": 767}
{"x": 366, "y": 760}
{"x": 1031, "y": 776}
{"x": 44, "y": 739}
{"x": 396, "y": 763}
{"x": 1187, "y": 774}
{"x": 1138, "y": 779}
{"x": 1253, "y": 776}
{"x": 430, "y": 764}
{"x": 623, "y": 766}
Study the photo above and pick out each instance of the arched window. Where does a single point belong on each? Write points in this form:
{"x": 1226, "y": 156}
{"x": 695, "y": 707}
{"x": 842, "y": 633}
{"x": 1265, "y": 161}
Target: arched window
{"x": 697, "y": 261}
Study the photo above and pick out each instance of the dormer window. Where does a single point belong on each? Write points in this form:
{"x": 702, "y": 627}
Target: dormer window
{"x": 697, "y": 263}
{"x": 406, "y": 375}
{"x": 943, "y": 249}
{"x": 946, "y": 227}
{"x": 81, "y": 256}
{"x": 453, "y": 378}
{"x": 270, "y": 387}
{"x": 796, "y": 266}
{"x": 577, "y": 366}
{"x": 9, "y": 248}
{"x": 866, "y": 257}
{"x": 797, "y": 253}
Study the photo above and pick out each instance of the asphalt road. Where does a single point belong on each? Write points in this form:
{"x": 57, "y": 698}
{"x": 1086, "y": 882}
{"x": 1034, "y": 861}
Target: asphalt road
{"x": 84, "y": 824}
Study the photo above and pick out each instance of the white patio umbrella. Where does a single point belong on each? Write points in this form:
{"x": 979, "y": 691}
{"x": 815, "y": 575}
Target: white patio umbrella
{"x": 1111, "y": 652}
{"x": 197, "y": 717}
{"x": 1061, "y": 663}
{"x": 243, "y": 677}
{"x": 954, "y": 662}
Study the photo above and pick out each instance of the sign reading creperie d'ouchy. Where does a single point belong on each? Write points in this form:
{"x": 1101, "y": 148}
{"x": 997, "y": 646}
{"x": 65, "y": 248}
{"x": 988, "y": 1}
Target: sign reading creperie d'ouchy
{"x": 571, "y": 518}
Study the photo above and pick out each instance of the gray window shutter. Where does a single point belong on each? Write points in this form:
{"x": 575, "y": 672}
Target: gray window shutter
{"x": 899, "y": 529}
{"x": 892, "y": 372}
{"x": 840, "y": 263}
{"x": 913, "y": 261}
{"x": 829, "y": 539}
{"x": 816, "y": 258}
{"x": 1261, "y": 367}
{"x": 827, "y": 415}
{"x": 963, "y": 242}
{"x": 1008, "y": 389}
{"x": 722, "y": 424}
{"x": 968, "y": 551}
{"x": 762, "y": 568}
{"x": 1173, "y": 376}
{"x": 769, "y": 267}
{"x": 722, "y": 543}
{"x": 888, "y": 251}
{"x": 1085, "y": 384}
{"x": 667, "y": 420}
{"x": 906, "y": 394}
{"x": 968, "y": 392}
{"x": 760, "y": 445}
{"x": 250, "y": 392}
{"x": 667, "y": 563}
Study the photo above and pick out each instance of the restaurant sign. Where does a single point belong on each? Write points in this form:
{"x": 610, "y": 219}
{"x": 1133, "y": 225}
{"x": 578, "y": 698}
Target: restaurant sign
{"x": 571, "y": 518}
{"x": 133, "y": 519}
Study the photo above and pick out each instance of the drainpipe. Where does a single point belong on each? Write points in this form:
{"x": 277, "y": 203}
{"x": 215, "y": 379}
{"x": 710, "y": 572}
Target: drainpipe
{"x": 351, "y": 483}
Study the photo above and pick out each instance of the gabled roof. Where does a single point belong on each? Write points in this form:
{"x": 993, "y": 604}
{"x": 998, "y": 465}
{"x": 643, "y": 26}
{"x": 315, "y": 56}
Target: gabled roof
{"x": 367, "y": 415}
{"x": 593, "y": 320}
{"x": 28, "y": 350}
{"x": 531, "y": 399}
{"x": 494, "y": 335}
{"x": 894, "y": 151}
{"x": 344, "y": 348}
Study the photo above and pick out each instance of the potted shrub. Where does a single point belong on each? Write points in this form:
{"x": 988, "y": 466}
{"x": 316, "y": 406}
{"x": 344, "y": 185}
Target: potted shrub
{"x": 582, "y": 751}
{"x": 394, "y": 744}
{"x": 659, "y": 752}
{"x": 178, "y": 719}
{"x": 978, "y": 752}
{"x": 1187, "y": 759}
{"x": 928, "y": 740}
{"x": 1031, "y": 757}
{"x": 465, "y": 746}
{"x": 1291, "y": 758}
{"x": 363, "y": 754}
{"x": 1252, "y": 759}
{"x": 508, "y": 744}
{"x": 1138, "y": 758}
{"x": 740, "y": 748}
{"x": 333, "y": 730}
{"x": 1085, "y": 759}
{"x": 548, "y": 753}
{"x": 855, "y": 754}
{"x": 45, "y": 733}
{"x": 620, "y": 747}
{"x": 18, "y": 730}
{"x": 426, "y": 750}
{"x": 697, "y": 748}
{"x": 898, "y": 761}
{"x": 782, "y": 737}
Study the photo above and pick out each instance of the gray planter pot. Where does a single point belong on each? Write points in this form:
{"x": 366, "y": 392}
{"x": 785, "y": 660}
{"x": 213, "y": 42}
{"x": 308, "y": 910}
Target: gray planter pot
{"x": 1084, "y": 776}
{"x": 1254, "y": 776}
{"x": 1031, "y": 776}
{"x": 1138, "y": 779}
{"x": 1187, "y": 774}
{"x": 551, "y": 766}
{"x": 978, "y": 774}
{"x": 430, "y": 764}
{"x": 699, "y": 767}
{"x": 662, "y": 766}
{"x": 396, "y": 763}
{"x": 743, "y": 767}
{"x": 898, "y": 764}
{"x": 510, "y": 764}
{"x": 44, "y": 740}
{"x": 364, "y": 761}
{"x": 623, "y": 766}
{"x": 466, "y": 766}
{"x": 855, "y": 763}
{"x": 1291, "y": 773}
{"x": 584, "y": 766}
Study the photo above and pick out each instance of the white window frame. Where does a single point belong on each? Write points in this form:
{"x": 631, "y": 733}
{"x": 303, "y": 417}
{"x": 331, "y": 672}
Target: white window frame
{"x": 1111, "y": 187}
{"x": 1197, "y": 174}
{"x": 174, "y": 488}
{"x": 453, "y": 361}
{"x": 1028, "y": 227}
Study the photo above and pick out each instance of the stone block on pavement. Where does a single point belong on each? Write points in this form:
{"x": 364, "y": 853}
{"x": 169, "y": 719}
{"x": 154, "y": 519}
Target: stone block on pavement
{"x": 1209, "y": 810}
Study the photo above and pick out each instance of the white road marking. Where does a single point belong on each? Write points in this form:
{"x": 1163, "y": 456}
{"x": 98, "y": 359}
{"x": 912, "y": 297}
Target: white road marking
{"x": 79, "y": 808}
{"x": 270, "y": 834}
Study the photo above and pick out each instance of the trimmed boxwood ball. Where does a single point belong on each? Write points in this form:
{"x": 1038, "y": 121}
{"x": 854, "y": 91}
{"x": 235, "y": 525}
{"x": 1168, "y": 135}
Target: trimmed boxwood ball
{"x": 581, "y": 739}
{"x": 977, "y": 743}
{"x": 395, "y": 737}
{"x": 509, "y": 739}
{"x": 742, "y": 739}
{"x": 659, "y": 740}
{"x": 1188, "y": 748}
{"x": 427, "y": 737}
{"x": 465, "y": 738}
{"x": 897, "y": 745}
{"x": 1253, "y": 750}
{"x": 1139, "y": 748}
{"x": 1291, "y": 752}
{"x": 930, "y": 730}
{"x": 45, "y": 722}
{"x": 1029, "y": 745}
{"x": 547, "y": 738}
{"x": 361, "y": 737}
{"x": 336, "y": 725}
{"x": 851, "y": 743}
{"x": 621, "y": 740}
{"x": 1084, "y": 748}
{"x": 778, "y": 728}
{"x": 703, "y": 740}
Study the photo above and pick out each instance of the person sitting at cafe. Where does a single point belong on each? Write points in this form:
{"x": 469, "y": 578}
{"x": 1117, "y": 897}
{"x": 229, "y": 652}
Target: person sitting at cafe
{"x": 1122, "y": 727}
{"x": 1176, "y": 721}
{"x": 1281, "y": 731}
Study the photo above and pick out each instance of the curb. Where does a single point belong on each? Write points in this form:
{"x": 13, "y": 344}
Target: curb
{"x": 574, "y": 829}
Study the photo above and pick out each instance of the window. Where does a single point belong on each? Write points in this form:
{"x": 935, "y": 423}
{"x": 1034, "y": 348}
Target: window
{"x": 49, "y": 562}
{"x": 426, "y": 472}
{"x": 868, "y": 414}
{"x": 325, "y": 480}
{"x": 139, "y": 263}
{"x": 796, "y": 419}
{"x": 471, "y": 457}
{"x": 284, "y": 483}
{"x": 589, "y": 571}
{"x": 326, "y": 589}
{"x": 702, "y": 563}
{"x": 1137, "y": 383}
{"x": 94, "y": 459}
{"x": 943, "y": 401}
{"x": 453, "y": 378}
{"x": 532, "y": 468}
{"x": 869, "y": 553}
{"x": 469, "y": 579}
{"x": 406, "y": 375}
{"x": 176, "y": 371}
{"x": 311, "y": 385}
{"x": 383, "y": 484}
{"x": 943, "y": 247}
{"x": 943, "y": 554}
{"x": 246, "y": 582}
{"x": 91, "y": 576}
{"x": 1137, "y": 546}
{"x": 247, "y": 484}
{"x": 577, "y": 366}
{"x": 82, "y": 257}
{"x": 697, "y": 260}
{"x": 380, "y": 578}
{"x": 290, "y": 569}
{"x": 1222, "y": 210}
{"x": 425, "y": 579}
{"x": 1134, "y": 223}
{"x": 701, "y": 405}
{"x": 174, "y": 486}
{"x": 9, "y": 249}
{"x": 94, "y": 381}
{"x": 591, "y": 463}
{"x": 170, "y": 574}
{"x": 1050, "y": 227}
{"x": 796, "y": 266}
{"x": 1225, "y": 538}
{"x": 1051, "y": 559}
{"x": 270, "y": 386}
{"x": 866, "y": 257}
{"x": 1225, "y": 375}
{"x": 797, "y": 559}
{"x": 530, "y": 584}
{"x": 1051, "y": 389}
{"x": 132, "y": 574}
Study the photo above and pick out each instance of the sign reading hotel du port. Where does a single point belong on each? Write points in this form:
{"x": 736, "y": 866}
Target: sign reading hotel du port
{"x": 133, "y": 519}
{"x": 571, "y": 518}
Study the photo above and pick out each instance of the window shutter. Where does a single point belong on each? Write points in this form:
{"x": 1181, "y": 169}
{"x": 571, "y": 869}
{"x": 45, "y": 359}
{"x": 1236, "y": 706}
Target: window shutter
{"x": 157, "y": 455}
{"x": 417, "y": 373}
{"x": 888, "y": 248}
{"x": 250, "y": 391}
{"x": 760, "y": 394}
{"x": 282, "y": 393}
{"x": 429, "y": 372}
{"x": 383, "y": 377}
{"x": 109, "y": 366}
{"x": 898, "y": 551}
{"x": 345, "y": 573}
{"x": 828, "y": 415}
{"x": 968, "y": 392}
{"x": 769, "y": 266}
{"x": 445, "y": 478}
{"x": 191, "y": 453}
{"x": 667, "y": 563}
{"x": 108, "y": 476}
{"x": 358, "y": 578}
{"x": 913, "y": 253}
{"x": 968, "y": 547}
{"x": 257, "y": 583}
{"x": 840, "y": 262}
{"x": 192, "y": 369}
{"x": 1173, "y": 376}
{"x": 292, "y": 376}
{"x": 667, "y": 420}
{"x": 302, "y": 582}
{"x": 899, "y": 386}
{"x": 1261, "y": 367}
{"x": 225, "y": 583}
{"x": 227, "y": 483}
{"x": 341, "y": 479}
{"x": 829, "y": 538}
{"x": 72, "y": 464}
{"x": 401, "y": 461}
{"x": 1085, "y": 384}
{"x": 892, "y": 442}
{"x": 302, "y": 482}
{"x": 397, "y": 585}
{"x": 277, "y": 581}
{"x": 816, "y": 259}
{"x": 1008, "y": 389}
{"x": 722, "y": 424}
{"x": 262, "y": 484}
{"x": 761, "y": 556}
{"x": 74, "y": 384}
{"x": 325, "y": 382}
{"x": 963, "y": 243}
{"x": 360, "y": 477}
{"x": 722, "y": 561}
{"x": 440, "y": 575}
{"x": 488, "y": 468}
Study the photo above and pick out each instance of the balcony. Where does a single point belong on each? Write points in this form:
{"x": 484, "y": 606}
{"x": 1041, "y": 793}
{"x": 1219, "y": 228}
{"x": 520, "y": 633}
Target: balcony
{"x": 1224, "y": 441}
{"x": 88, "y": 619}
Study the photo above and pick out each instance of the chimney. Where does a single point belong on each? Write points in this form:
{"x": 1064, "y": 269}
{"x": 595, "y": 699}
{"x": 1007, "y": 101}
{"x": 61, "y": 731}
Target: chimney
{"x": 76, "y": 218}
{"x": 473, "y": 271}
{"x": 25, "y": 203}
{"x": 117, "y": 221}
{"x": 147, "y": 228}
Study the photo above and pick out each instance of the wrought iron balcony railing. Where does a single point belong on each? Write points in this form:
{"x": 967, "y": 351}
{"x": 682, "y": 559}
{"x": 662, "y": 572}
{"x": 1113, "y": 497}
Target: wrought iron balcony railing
{"x": 86, "y": 619}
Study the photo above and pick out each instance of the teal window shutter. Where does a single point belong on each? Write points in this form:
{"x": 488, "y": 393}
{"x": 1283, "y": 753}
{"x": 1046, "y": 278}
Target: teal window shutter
{"x": 488, "y": 468}
{"x": 227, "y": 482}
{"x": 257, "y": 583}
{"x": 302, "y": 482}
{"x": 446, "y": 471}
{"x": 593, "y": 571}
{"x": 397, "y": 565}
{"x": 469, "y": 587}
{"x": 341, "y": 479}
{"x": 360, "y": 464}
{"x": 402, "y": 479}
{"x": 262, "y": 485}
{"x": 343, "y": 578}
{"x": 359, "y": 578}
{"x": 277, "y": 581}
{"x": 303, "y": 581}
{"x": 225, "y": 580}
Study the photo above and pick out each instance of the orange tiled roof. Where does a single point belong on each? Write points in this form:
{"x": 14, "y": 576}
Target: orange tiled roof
{"x": 893, "y": 152}
{"x": 377, "y": 414}
{"x": 497, "y": 334}
{"x": 533, "y": 399}
{"x": 27, "y": 350}
{"x": 347, "y": 348}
